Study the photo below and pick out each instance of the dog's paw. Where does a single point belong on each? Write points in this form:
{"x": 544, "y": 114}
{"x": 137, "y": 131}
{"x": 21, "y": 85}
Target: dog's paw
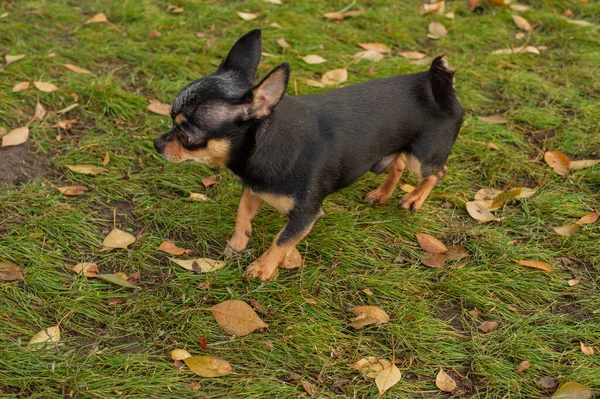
{"x": 292, "y": 260}
{"x": 377, "y": 197}
{"x": 236, "y": 245}
{"x": 264, "y": 271}
{"x": 412, "y": 201}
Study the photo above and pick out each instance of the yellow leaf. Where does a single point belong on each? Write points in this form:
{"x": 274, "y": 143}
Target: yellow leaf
{"x": 431, "y": 244}
{"x": 208, "y": 366}
{"x": 412, "y": 55}
{"x": 334, "y": 15}
{"x": 522, "y": 23}
{"x": 589, "y": 218}
{"x": 200, "y": 265}
{"x": 573, "y": 390}
{"x": 86, "y": 169}
{"x": 45, "y": 87}
{"x": 313, "y": 59}
{"x": 170, "y": 248}
{"x": 100, "y": 17}
{"x": 366, "y": 315}
{"x": 237, "y": 317}
{"x": 77, "y": 69}
{"x": 106, "y": 159}
{"x": 335, "y": 76}
{"x": 21, "y": 86}
{"x": 535, "y": 264}
{"x": 118, "y": 239}
{"x": 577, "y": 165}
{"x": 387, "y": 378}
{"x": 10, "y": 272}
{"x": 444, "y": 382}
{"x": 573, "y": 282}
{"x": 588, "y": 350}
{"x": 566, "y": 231}
{"x": 437, "y": 30}
{"x": 198, "y": 197}
{"x": 88, "y": 269}
{"x": 370, "y": 366}
{"x": 247, "y": 16}
{"x": 179, "y": 354}
{"x": 478, "y": 211}
{"x": 378, "y": 47}
{"x": 13, "y": 58}
{"x": 557, "y": 161}
{"x": 15, "y": 137}
{"x": 407, "y": 188}
{"x": 50, "y": 334}
{"x": 495, "y": 119}
{"x": 159, "y": 108}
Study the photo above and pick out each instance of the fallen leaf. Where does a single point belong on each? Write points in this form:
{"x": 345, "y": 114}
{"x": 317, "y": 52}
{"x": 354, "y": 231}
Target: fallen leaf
{"x": 153, "y": 34}
{"x": 13, "y": 58}
{"x": 15, "y": 137}
{"x": 366, "y": 315}
{"x": 473, "y": 4}
{"x": 72, "y": 191}
{"x": 259, "y": 308}
{"x": 522, "y": 23}
{"x": 412, "y": 55}
{"x": 88, "y": 269}
{"x": 378, "y": 47}
{"x": 407, "y": 188}
{"x": 353, "y": 13}
{"x": 579, "y": 22}
{"x": 557, "y": 161}
{"x": 387, "y": 378}
{"x": 86, "y": 169}
{"x": 313, "y": 59}
{"x": 282, "y": 43}
{"x": 159, "y": 108}
{"x": 488, "y": 326}
{"x": 198, "y": 197}
{"x": 275, "y": 25}
{"x": 566, "y": 231}
{"x": 314, "y": 83}
{"x": 449, "y": 15}
{"x": 519, "y": 7}
{"x": 118, "y": 239}
{"x": 172, "y": 249}
{"x": 547, "y": 382}
{"x": 368, "y": 291}
{"x": 205, "y": 285}
{"x": 487, "y": 194}
{"x": 115, "y": 279}
{"x": 573, "y": 282}
{"x": 588, "y": 350}
{"x": 573, "y": 390}
{"x": 370, "y": 366}
{"x": 174, "y": 9}
{"x": 278, "y": 2}
{"x": 369, "y": 55}
{"x": 67, "y": 109}
{"x": 209, "y": 181}
{"x": 75, "y": 68}
{"x": 335, "y": 76}
{"x": 21, "y": 86}
{"x": 66, "y": 124}
{"x": 200, "y": 265}
{"x": 202, "y": 343}
{"x": 519, "y": 35}
{"x": 106, "y": 159}
{"x": 524, "y": 365}
{"x": 503, "y": 197}
{"x": 589, "y": 218}
{"x": 45, "y": 87}
{"x": 208, "y": 366}
{"x": 444, "y": 382}
{"x": 496, "y": 119}
{"x": 98, "y": 18}
{"x": 10, "y": 272}
{"x": 586, "y": 163}
{"x": 237, "y": 317}
{"x": 247, "y": 16}
{"x": 179, "y": 354}
{"x": 308, "y": 387}
{"x": 50, "y": 334}
{"x": 433, "y": 260}
{"x": 427, "y": 8}
{"x": 437, "y": 30}
{"x": 503, "y": 3}
{"x": 194, "y": 386}
{"x": 535, "y": 264}
{"x": 431, "y": 244}
{"x": 478, "y": 211}
{"x": 334, "y": 15}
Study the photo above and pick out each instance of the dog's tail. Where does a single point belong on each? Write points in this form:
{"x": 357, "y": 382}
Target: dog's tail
{"x": 441, "y": 77}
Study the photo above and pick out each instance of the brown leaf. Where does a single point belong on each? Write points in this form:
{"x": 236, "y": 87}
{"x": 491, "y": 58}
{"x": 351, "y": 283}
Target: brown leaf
{"x": 535, "y": 264}
{"x": 378, "y": 47}
{"x": 10, "y": 272}
{"x": 412, "y": 55}
{"x": 431, "y": 244}
{"x": 172, "y": 249}
{"x": 353, "y": 13}
{"x": 45, "y": 87}
{"x": 86, "y": 169}
{"x": 557, "y": 161}
{"x": 586, "y": 163}
{"x": 407, "y": 188}
{"x": 366, "y": 315}
{"x": 247, "y": 16}
{"x": 13, "y": 58}
{"x": 153, "y": 34}
{"x": 66, "y": 124}
{"x": 503, "y": 3}
{"x": 387, "y": 378}
{"x": 524, "y": 365}
{"x": 566, "y": 231}
{"x": 473, "y": 4}
{"x": 370, "y": 366}
{"x": 50, "y": 334}
{"x": 205, "y": 285}
{"x": 589, "y": 218}
{"x": 282, "y": 43}
{"x": 21, "y": 86}
{"x": 437, "y": 30}
{"x": 335, "y": 76}
{"x": 237, "y": 317}
{"x": 88, "y": 269}
{"x": 314, "y": 83}
{"x": 478, "y": 211}
{"x": 334, "y": 15}
{"x": 179, "y": 354}
{"x": 573, "y": 390}
{"x": 209, "y": 181}
{"x": 438, "y": 7}
{"x": 159, "y": 108}
{"x": 202, "y": 343}
{"x": 106, "y": 159}
{"x": 77, "y": 69}
{"x": 174, "y": 9}
{"x": 573, "y": 282}
{"x": 433, "y": 260}
{"x": 547, "y": 382}
{"x": 456, "y": 252}
{"x": 588, "y": 350}
{"x": 503, "y": 197}
{"x": 496, "y": 119}
{"x": 200, "y": 265}
{"x": 313, "y": 59}
{"x": 308, "y": 387}
{"x": 369, "y": 55}
{"x": 208, "y": 366}
{"x": 444, "y": 382}
{"x": 259, "y": 308}
{"x": 522, "y": 23}
{"x": 15, "y": 137}
{"x": 488, "y": 326}
{"x": 98, "y": 18}
{"x": 367, "y": 291}
{"x": 40, "y": 112}
{"x": 118, "y": 239}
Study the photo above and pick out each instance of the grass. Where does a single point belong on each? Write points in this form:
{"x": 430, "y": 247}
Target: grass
{"x": 116, "y": 341}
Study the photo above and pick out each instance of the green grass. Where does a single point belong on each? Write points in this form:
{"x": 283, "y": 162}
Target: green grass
{"x": 109, "y": 348}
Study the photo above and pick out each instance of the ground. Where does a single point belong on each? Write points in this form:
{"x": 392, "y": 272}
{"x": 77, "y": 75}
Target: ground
{"x": 115, "y": 341}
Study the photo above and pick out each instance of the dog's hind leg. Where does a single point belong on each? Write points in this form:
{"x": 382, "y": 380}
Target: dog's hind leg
{"x": 431, "y": 177}
{"x": 386, "y": 189}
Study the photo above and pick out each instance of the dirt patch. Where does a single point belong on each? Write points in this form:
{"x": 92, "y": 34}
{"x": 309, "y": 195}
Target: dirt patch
{"x": 452, "y": 314}
{"x": 19, "y": 164}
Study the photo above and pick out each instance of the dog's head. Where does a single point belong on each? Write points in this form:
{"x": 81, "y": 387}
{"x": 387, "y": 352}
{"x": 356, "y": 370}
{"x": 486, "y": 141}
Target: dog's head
{"x": 211, "y": 114}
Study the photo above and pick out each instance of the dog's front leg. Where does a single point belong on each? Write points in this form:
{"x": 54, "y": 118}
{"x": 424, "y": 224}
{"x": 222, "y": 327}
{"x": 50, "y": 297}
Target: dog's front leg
{"x": 283, "y": 250}
{"x": 249, "y": 206}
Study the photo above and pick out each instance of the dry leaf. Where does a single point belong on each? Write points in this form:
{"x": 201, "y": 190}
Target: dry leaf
{"x": 282, "y": 43}
{"x": 209, "y": 181}
{"x": 473, "y": 4}
{"x": 370, "y": 366}
{"x": 335, "y": 76}
{"x": 535, "y": 264}
{"x": 449, "y": 15}
{"x": 153, "y": 34}
{"x": 588, "y": 350}
{"x": 15, "y": 137}
{"x": 86, "y": 169}
{"x": 589, "y": 218}
{"x": 67, "y": 109}
{"x": 159, "y": 108}
{"x": 45, "y": 87}
{"x": 100, "y": 17}
{"x": 200, "y": 265}
{"x": 503, "y": 3}
{"x": 407, "y": 188}
{"x": 437, "y": 30}
{"x": 366, "y": 315}
{"x": 278, "y": 2}
{"x": 353, "y": 13}
{"x": 524, "y": 365}
{"x": 378, "y": 47}
{"x": 488, "y": 326}
{"x": 106, "y": 159}
{"x": 456, "y": 252}
{"x": 573, "y": 390}
{"x": 237, "y": 317}
{"x": 208, "y": 366}
{"x": 77, "y": 69}
{"x": 174, "y": 9}
{"x": 431, "y": 244}
{"x": 522, "y": 23}
{"x": 314, "y": 83}
{"x": 444, "y": 382}
{"x": 198, "y": 197}
{"x": 573, "y": 282}
{"x": 66, "y": 124}
{"x": 247, "y": 16}
{"x": 10, "y": 272}
{"x": 21, "y": 86}
{"x": 503, "y": 197}
{"x": 115, "y": 279}
{"x": 50, "y": 334}
{"x": 88, "y": 269}
{"x": 433, "y": 260}
{"x": 478, "y": 211}
{"x": 308, "y": 387}
{"x": 313, "y": 59}
{"x": 387, "y": 378}
{"x": 487, "y": 194}
{"x": 566, "y": 231}
{"x": 40, "y": 112}
{"x": 427, "y": 8}
{"x": 334, "y": 15}
{"x": 557, "y": 161}
{"x": 519, "y": 7}
{"x": 579, "y": 22}
{"x": 72, "y": 191}
{"x": 179, "y": 354}
{"x": 13, "y": 58}
{"x": 412, "y": 55}
{"x": 547, "y": 382}
{"x": 368, "y": 291}
{"x": 369, "y": 55}
{"x": 172, "y": 249}
{"x": 118, "y": 239}
{"x": 586, "y": 163}
{"x": 496, "y": 119}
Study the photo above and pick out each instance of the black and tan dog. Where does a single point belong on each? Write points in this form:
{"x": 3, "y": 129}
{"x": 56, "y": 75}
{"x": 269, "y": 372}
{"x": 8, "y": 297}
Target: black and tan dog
{"x": 292, "y": 152}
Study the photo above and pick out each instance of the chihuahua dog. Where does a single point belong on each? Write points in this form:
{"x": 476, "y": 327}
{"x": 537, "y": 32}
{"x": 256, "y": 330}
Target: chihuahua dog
{"x": 292, "y": 152}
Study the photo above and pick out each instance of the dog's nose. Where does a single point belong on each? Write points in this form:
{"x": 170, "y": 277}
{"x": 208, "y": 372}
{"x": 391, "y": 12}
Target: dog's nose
{"x": 159, "y": 145}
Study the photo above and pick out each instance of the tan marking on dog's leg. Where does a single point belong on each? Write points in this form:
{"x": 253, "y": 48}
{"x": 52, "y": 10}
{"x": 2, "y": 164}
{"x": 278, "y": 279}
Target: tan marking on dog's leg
{"x": 386, "y": 189}
{"x": 285, "y": 255}
{"x": 249, "y": 206}
{"x": 414, "y": 165}
{"x": 414, "y": 200}
{"x": 283, "y": 203}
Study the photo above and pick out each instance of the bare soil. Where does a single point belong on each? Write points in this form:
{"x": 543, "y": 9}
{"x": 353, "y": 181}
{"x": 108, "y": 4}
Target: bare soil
{"x": 19, "y": 164}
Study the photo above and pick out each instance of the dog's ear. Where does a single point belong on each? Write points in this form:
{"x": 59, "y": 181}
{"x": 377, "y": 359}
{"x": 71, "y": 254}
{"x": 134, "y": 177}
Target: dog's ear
{"x": 267, "y": 94}
{"x": 244, "y": 56}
